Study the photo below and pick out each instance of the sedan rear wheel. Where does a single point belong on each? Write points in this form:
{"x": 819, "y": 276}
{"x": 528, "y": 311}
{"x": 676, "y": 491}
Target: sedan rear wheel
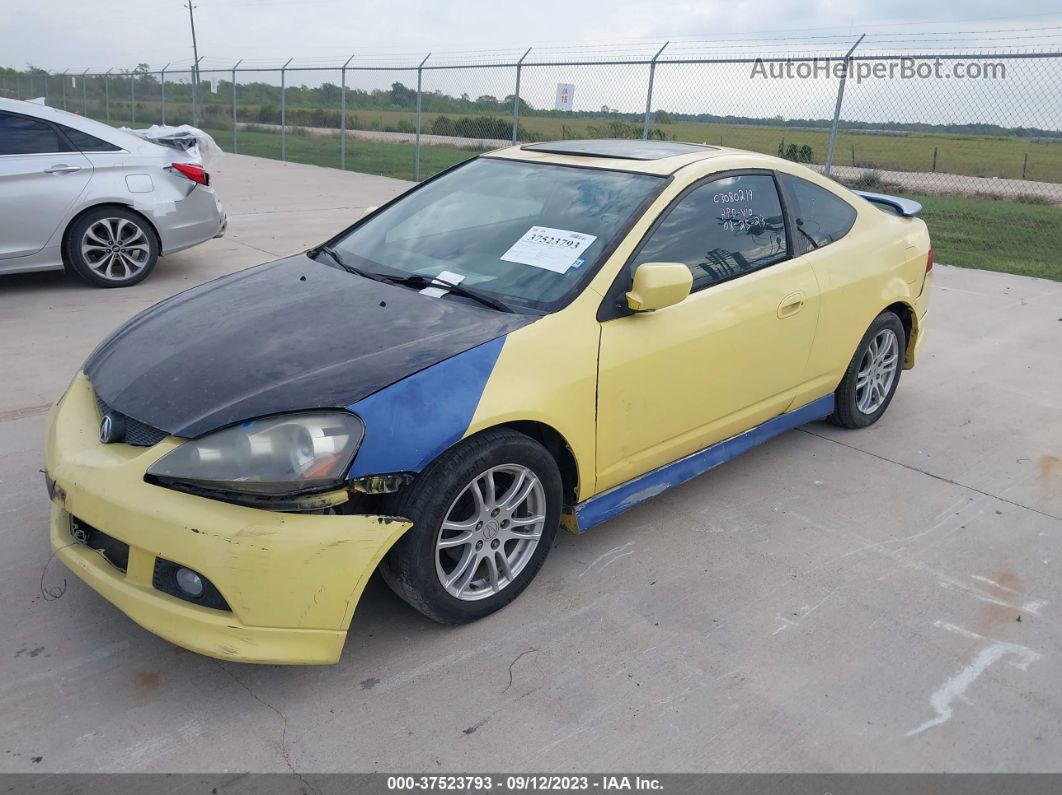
{"x": 112, "y": 247}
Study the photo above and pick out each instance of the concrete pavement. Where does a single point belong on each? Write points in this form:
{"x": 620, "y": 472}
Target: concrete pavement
{"x": 832, "y": 601}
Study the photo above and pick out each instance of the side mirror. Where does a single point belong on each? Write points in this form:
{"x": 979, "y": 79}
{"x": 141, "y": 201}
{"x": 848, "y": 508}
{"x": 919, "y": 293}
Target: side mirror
{"x": 659, "y": 284}
{"x": 369, "y": 211}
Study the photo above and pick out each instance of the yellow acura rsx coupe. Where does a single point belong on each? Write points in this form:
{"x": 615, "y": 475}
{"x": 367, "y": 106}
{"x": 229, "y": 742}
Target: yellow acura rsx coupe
{"x": 545, "y": 335}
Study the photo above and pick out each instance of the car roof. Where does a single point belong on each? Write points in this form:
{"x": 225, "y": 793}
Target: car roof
{"x": 91, "y": 126}
{"x": 644, "y": 157}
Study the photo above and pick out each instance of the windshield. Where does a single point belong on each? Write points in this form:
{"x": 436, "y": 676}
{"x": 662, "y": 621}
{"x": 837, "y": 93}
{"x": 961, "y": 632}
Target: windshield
{"x": 530, "y": 234}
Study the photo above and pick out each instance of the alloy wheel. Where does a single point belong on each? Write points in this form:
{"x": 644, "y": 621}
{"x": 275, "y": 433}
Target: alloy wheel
{"x": 115, "y": 248}
{"x": 490, "y": 532}
{"x": 877, "y": 371}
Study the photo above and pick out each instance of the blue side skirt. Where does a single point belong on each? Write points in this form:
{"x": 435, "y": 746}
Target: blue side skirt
{"x": 619, "y": 499}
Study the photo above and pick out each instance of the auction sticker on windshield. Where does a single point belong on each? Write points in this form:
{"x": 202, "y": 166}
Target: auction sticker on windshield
{"x": 551, "y": 249}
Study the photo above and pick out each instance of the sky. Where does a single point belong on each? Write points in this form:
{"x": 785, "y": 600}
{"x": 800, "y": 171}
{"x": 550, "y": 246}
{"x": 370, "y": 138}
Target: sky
{"x": 62, "y": 34}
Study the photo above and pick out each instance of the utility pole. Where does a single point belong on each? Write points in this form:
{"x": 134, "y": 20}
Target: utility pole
{"x": 195, "y": 69}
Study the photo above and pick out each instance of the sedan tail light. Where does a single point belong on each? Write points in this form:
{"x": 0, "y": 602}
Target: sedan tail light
{"x": 194, "y": 172}
{"x": 929, "y": 261}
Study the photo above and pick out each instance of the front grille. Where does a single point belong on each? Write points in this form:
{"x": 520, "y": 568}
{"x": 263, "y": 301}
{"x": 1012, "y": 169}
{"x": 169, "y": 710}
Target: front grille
{"x": 136, "y": 432}
{"x": 116, "y": 552}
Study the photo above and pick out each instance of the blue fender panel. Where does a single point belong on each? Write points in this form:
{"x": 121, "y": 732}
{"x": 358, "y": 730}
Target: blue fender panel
{"x": 625, "y": 496}
{"x": 408, "y": 424}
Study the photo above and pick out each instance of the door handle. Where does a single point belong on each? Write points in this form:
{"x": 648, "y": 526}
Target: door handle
{"x": 791, "y": 304}
{"x": 62, "y": 168}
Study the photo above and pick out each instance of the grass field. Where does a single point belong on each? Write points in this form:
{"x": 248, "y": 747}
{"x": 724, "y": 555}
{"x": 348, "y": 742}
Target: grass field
{"x": 978, "y": 156}
{"x": 1006, "y": 236}
{"x": 1009, "y": 237}
{"x": 370, "y": 157}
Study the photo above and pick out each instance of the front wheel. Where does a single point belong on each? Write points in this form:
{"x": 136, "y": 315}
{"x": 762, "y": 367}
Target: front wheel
{"x": 484, "y": 517}
{"x": 872, "y": 376}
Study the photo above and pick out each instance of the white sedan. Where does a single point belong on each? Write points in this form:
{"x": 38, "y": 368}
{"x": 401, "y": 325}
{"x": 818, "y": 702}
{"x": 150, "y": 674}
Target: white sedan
{"x": 97, "y": 201}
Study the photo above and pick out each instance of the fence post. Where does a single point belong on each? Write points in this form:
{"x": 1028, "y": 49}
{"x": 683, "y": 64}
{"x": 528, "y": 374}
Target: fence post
{"x": 234, "y": 105}
{"x": 62, "y": 80}
{"x": 343, "y": 115}
{"x": 934, "y": 159}
{"x": 649, "y": 94}
{"x": 18, "y": 85}
{"x": 107, "y": 93}
{"x": 162, "y": 86}
{"x": 283, "y": 109}
{"x": 195, "y": 91}
{"x": 837, "y": 108}
{"x": 1025, "y": 165}
{"x": 132, "y": 98}
{"x": 193, "y": 75}
{"x": 416, "y": 156}
{"x": 45, "y": 88}
{"x": 516, "y": 97}
{"x": 84, "y": 93}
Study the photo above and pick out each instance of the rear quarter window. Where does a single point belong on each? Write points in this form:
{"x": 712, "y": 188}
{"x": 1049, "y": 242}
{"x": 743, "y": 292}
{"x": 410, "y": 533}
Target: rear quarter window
{"x": 821, "y": 217}
{"x": 88, "y": 143}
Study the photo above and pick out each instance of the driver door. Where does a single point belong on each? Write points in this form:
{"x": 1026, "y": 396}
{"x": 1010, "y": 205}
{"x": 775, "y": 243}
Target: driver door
{"x": 728, "y": 357}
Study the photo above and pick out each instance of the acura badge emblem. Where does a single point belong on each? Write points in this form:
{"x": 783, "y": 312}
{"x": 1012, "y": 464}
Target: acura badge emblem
{"x": 112, "y": 428}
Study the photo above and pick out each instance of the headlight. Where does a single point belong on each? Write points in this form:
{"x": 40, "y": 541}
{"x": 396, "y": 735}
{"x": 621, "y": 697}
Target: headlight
{"x": 276, "y": 456}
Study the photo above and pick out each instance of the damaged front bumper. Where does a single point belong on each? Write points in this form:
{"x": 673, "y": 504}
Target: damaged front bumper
{"x": 290, "y": 581}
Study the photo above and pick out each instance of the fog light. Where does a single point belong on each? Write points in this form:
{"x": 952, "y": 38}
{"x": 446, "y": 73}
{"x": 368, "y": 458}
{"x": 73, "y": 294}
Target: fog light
{"x": 189, "y": 582}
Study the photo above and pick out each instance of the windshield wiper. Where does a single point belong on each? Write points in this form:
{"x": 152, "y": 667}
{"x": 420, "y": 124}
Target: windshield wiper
{"x": 338, "y": 260}
{"x": 417, "y": 280}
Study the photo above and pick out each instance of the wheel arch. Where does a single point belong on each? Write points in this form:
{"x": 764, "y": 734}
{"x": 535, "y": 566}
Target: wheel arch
{"x": 557, "y": 446}
{"x": 909, "y": 321}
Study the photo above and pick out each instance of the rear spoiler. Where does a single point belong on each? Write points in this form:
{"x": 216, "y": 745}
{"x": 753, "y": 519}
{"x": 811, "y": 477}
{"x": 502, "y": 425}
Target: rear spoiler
{"x": 904, "y": 207}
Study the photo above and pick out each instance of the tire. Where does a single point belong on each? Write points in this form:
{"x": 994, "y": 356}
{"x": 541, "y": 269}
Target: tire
{"x": 879, "y": 357}
{"x": 111, "y": 247}
{"x": 417, "y": 569}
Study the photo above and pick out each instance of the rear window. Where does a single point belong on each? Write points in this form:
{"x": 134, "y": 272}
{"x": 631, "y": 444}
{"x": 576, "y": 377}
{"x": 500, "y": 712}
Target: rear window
{"x": 22, "y": 135}
{"x": 88, "y": 143}
{"x": 821, "y": 217}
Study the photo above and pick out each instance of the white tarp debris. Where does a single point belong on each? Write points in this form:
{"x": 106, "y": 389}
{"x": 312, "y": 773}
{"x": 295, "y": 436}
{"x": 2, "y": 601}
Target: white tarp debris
{"x": 195, "y": 142}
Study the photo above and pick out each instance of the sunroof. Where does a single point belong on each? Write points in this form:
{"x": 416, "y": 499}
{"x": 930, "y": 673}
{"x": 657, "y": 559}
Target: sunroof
{"x": 621, "y": 148}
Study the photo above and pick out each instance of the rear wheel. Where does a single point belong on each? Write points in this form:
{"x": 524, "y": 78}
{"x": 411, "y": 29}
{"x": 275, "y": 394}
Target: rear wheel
{"x": 484, "y": 517}
{"x": 112, "y": 247}
{"x": 872, "y": 376}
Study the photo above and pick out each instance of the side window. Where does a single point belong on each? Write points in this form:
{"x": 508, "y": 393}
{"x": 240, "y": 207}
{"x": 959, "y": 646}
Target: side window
{"x": 821, "y": 217}
{"x": 21, "y": 135}
{"x": 86, "y": 142}
{"x": 721, "y": 229}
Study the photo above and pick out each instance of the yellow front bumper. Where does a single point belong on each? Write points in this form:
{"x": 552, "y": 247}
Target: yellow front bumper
{"x": 292, "y": 580}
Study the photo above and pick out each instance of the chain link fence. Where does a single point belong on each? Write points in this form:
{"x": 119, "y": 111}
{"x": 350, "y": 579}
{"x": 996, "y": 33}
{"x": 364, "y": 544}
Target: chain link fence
{"x": 976, "y": 138}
